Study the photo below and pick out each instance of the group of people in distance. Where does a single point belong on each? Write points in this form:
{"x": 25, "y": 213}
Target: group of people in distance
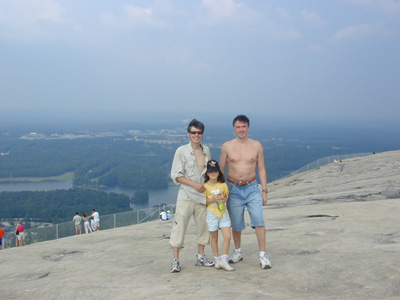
{"x": 214, "y": 203}
{"x": 19, "y": 235}
{"x": 89, "y": 227}
{"x": 164, "y": 216}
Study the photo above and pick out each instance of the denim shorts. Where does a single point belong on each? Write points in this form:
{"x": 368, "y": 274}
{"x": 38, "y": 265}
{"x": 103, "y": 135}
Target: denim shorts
{"x": 214, "y": 224}
{"x": 241, "y": 196}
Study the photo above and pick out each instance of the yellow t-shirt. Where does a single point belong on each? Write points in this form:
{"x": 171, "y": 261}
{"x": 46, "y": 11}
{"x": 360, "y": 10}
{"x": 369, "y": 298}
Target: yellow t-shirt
{"x": 218, "y": 189}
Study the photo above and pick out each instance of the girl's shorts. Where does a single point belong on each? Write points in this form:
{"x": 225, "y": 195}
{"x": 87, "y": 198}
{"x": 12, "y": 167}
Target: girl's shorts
{"x": 214, "y": 224}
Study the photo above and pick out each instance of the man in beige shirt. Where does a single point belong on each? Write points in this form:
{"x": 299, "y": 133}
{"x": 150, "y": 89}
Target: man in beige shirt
{"x": 243, "y": 156}
{"x": 188, "y": 169}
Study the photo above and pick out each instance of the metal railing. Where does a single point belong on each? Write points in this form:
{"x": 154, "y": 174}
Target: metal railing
{"x": 324, "y": 161}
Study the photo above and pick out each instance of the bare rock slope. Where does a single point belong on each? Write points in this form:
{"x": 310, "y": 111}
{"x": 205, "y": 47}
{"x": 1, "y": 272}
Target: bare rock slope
{"x": 330, "y": 235}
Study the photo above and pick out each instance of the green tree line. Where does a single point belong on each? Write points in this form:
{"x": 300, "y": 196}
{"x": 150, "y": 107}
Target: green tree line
{"x": 97, "y": 161}
{"x": 60, "y": 205}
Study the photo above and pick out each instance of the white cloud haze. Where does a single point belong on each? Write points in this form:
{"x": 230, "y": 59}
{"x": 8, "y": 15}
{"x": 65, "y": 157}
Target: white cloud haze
{"x": 274, "y": 57}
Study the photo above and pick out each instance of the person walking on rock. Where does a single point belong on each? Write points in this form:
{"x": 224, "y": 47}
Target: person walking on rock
{"x": 96, "y": 220}
{"x": 1, "y": 238}
{"x": 243, "y": 156}
{"x": 86, "y": 224}
{"x": 21, "y": 234}
{"x": 188, "y": 170}
{"x": 77, "y": 219}
{"x": 16, "y": 236}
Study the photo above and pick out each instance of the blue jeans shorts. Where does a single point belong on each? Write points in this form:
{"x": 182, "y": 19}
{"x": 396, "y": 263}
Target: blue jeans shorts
{"x": 241, "y": 196}
{"x": 214, "y": 224}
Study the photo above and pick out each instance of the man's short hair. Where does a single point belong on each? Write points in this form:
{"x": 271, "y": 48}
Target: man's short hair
{"x": 197, "y": 124}
{"x": 241, "y": 118}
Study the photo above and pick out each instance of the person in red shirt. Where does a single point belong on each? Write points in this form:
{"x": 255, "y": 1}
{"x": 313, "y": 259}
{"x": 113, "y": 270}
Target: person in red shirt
{"x": 1, "y": 238}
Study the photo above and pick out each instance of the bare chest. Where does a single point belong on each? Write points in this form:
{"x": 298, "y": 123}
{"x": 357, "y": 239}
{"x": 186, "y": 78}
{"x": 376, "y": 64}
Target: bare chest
{"x": 243, "y": 155}
{"x": 200, "y": 160}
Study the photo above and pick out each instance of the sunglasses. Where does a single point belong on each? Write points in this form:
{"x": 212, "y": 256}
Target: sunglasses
{"x": 196, "y": 132}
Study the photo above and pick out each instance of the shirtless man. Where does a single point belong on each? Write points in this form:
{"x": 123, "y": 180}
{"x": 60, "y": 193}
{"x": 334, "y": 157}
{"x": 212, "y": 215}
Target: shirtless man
{"x": 188, "y": 169}
{"x": 243, "y": 155}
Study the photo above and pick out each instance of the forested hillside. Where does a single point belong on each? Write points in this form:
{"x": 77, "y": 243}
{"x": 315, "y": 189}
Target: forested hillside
{"x": 60, "y": 205}
{"x": 94, "y": 161}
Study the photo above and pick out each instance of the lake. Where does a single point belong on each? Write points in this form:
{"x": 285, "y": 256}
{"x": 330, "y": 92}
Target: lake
{"x": 156, "y": 196}
{"x": 167, "y": 196}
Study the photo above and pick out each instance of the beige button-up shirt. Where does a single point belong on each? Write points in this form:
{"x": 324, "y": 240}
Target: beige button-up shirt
{"x": 184, "y": 165}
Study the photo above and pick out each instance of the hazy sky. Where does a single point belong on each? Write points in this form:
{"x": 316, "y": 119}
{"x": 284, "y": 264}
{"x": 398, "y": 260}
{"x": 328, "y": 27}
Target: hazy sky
{"x": 312, "y": 57}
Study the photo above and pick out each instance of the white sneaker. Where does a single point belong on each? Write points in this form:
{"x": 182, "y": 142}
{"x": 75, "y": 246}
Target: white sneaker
{"x": 175, "y": 267}
{"x": 203, "y": 261}
{"x": 264, "y": 262}
{"x": 236, "y": 257}
{"x": 217, "y": 264}
{"x": 224, "y": 265}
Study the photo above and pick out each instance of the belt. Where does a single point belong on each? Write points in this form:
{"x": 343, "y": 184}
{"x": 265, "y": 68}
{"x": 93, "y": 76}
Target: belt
{"x": 241, "y": 182}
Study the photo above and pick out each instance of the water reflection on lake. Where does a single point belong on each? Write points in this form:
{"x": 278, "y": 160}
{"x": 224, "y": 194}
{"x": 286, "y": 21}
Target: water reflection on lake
{"x": 167, "y": 196}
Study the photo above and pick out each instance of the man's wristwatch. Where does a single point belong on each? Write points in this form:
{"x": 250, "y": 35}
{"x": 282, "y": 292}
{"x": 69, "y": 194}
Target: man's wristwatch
{"x": 265, "y": 191}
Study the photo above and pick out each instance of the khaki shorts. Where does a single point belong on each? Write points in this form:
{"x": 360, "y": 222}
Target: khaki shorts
{"x": 184, "y": 211}
{"x": 21, "y": 236}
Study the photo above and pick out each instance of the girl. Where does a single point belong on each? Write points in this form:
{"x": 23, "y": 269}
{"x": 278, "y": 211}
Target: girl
{"x": 86, "y": 224}
{"x": 217, "y": 191}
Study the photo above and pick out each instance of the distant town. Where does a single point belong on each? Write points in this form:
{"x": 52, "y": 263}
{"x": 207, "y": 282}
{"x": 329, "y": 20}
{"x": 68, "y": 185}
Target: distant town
{"x": 162, "y": 136}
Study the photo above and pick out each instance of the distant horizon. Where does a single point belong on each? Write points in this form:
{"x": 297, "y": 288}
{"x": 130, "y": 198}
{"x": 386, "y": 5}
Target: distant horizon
{"x": 182, "y": 118}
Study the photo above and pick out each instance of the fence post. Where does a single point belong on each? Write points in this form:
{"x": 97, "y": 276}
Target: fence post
{"x": 115, "y": 220}
{"x": 56, "y": 231}
{"x": 138, "y": 216}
